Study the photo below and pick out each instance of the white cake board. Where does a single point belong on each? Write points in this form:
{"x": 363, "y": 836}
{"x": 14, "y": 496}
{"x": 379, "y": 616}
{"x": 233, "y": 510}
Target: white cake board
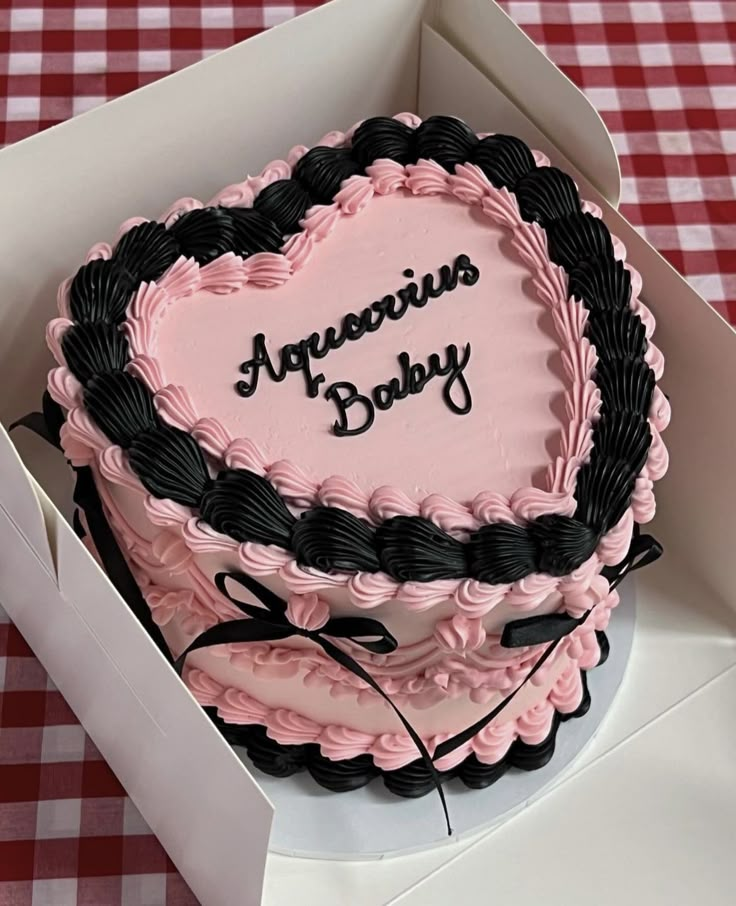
{"x": 371, "y": 823}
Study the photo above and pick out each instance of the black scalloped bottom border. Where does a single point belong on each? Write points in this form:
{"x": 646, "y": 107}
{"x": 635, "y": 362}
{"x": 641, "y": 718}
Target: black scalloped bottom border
{"x": 413, "y": 780}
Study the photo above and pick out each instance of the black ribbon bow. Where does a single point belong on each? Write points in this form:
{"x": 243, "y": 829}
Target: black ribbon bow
{"x": 270, "y": 623}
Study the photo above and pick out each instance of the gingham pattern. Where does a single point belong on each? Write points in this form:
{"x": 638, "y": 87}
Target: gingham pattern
{"x": 662, "y": 75}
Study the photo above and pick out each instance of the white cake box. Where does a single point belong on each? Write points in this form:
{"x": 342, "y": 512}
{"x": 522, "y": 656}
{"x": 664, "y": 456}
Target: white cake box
{"x": 191, "y": 134}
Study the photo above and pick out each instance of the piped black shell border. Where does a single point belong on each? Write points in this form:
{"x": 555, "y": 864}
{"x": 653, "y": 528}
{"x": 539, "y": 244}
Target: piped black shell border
{"x": 244, "y": 505}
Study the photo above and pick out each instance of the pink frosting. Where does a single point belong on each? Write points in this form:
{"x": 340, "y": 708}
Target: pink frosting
{"x": 307, "y": 611}
{"x": 460, "y": 633}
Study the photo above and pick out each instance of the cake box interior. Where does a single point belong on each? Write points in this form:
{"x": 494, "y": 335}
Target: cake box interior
{"x": 74, "y": 184}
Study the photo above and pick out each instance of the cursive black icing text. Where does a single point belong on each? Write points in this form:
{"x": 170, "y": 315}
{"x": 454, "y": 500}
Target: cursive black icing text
{"x": 413, "y": 379}
{"x": 299, "y": 357}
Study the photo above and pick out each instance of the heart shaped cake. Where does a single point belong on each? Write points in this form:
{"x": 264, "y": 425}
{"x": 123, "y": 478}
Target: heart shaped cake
{"x": 375, "y": 431}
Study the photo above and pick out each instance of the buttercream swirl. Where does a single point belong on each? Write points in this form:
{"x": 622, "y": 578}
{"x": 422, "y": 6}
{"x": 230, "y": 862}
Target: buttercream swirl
{"x": 179, "y": 207}
{"x": 448, "y": 514}
{"x": 113, "y": 465}
{"x": 501, "y": 206}
{"x": 293, "y": 483}
{"x": 387, "y": 175}
{"x": 535, "y": 726}
{"x": 387, "y": 502}
{"x": 298, "y": 250}
{"x": 147, "y": 370}
{"x": 182, "y": 278}
{"x": 355, "y": 194}
{"x": 245, "y": 454}
{"x": 223, "y": 275}
{"x": 64, "y": 387}
{"x": 99, "y": 250}
{"x": 212, "y": 437}
{"x": 460, "y": 633}
{"x": 62, "y": 298}
{"x": 550, "y": 284}
{"x": 175, "y": 407}
{"x": 427, "y": 177}
{"x": 307, "y": 611}
{"x": 262, "y": 559}
{"x": 345, "y": 494}
{"x": 321, "y": 220}
{"x": 266, "y": 269}
{"x": 201, "y": 538}
{"x": 469, "y": 184}
{"x": 171, "y": 551}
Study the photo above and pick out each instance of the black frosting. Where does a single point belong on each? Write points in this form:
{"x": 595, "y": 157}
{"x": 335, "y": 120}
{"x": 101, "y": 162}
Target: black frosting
{"x": 577, "y": 237}
{"x": 246, "y": 506}
{"x": 604, "y": 489}
{"x": 446, "y": 140}
{"x": 121, "y": 406}
{"x": 100, "y": 291}
{"x": 600, "y": 283}
{"x": 618, "y": 332}
{"x": 546, "y": 195}
{"x": 146, "y": 251}
{"x": 502, "y": 552}
{"x": 383, "y": 137}
{"x": 341, "y": 776}
{"x": 91, "y": 349}
{"x": 624, "y": 436}
{"x": 562, "y": 543}
{"x": 504, "y": 159}
{"x": 205, "y": 233}
{"x": 322, "y": 171}
{"x": 254, "y": 232}
{"x": 416, "y": 549}
{"x": 170, "y": 465}
{"x": 626, "y": 385}
{"x": 283, "y": 202}
{"x": 329, "y": 538}
{"x": 411, "y": 781}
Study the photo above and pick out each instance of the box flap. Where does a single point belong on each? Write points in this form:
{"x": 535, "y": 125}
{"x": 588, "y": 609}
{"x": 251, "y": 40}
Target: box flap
{"x": 493, "y": 43}
{"x": 20, "y": 506}
{"x": 193, "y": 791}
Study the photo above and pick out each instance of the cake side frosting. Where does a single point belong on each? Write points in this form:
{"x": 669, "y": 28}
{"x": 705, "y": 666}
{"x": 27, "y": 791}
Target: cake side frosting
{"x": 456, "y": 568}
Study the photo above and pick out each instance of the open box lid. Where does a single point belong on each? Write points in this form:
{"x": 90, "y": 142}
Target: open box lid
{"x": 377, "y": 49}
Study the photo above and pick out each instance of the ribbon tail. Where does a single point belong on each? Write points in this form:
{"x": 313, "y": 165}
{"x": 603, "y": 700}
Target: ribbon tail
{"x": 344, "y": 659}
{"x": 644, "y": 549}
{"x": 466, "y": 735}
{"x": 36, "y": 422}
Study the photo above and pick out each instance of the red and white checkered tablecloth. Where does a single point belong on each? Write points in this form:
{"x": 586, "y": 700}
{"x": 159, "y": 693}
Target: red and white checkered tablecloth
{"x": 662, "y": 74}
